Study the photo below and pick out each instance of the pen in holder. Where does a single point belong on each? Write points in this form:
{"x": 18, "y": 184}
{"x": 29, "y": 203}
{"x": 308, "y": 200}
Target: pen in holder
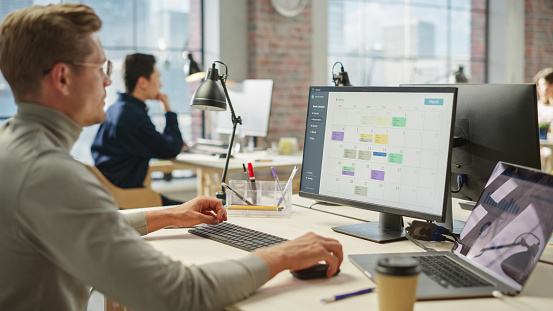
{"x": 266, "y": 195}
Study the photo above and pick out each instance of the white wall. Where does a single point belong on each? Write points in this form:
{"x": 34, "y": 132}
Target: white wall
{"x": 506, "y": 41}
{"x": 319, "y": 44}
{"x": 226, "y": 25}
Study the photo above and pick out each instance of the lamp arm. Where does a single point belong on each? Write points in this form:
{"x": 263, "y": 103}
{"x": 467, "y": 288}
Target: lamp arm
{"x": 224, "y": 177}
{"x": 235, "y": 121}
{"x": 234, "y": 117}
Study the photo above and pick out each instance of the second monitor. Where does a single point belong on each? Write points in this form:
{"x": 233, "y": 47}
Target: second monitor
{"x": 385, "y": 149}
{"x": 252, "y": 102}
{"x": 494, "y": 122}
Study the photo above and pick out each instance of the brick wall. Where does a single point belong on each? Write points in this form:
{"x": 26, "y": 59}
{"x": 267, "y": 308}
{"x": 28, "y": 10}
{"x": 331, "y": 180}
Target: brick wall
{"x": 538, "y": 39}
{"x": 279, "y": 48}
{"x": 478, "y": 41}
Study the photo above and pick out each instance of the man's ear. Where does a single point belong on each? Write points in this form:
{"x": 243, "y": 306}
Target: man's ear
{"x": 60, "y": 78}
{"x": 142, "y": 83}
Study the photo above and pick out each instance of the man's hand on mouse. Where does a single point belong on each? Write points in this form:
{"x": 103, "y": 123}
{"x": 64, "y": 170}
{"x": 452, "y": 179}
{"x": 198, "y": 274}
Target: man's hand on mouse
{"x": 303, "y": 252}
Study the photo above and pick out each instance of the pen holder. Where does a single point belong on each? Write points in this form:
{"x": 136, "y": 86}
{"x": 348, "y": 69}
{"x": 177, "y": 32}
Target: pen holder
{"x": 265, "y": 197}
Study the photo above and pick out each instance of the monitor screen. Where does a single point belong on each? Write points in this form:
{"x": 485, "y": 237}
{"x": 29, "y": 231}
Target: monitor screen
{"x": 251, "y": 100}
{"x": 385, "y": 149}
{"x": 512, "y": 222}
{"x": 494, "y": 122}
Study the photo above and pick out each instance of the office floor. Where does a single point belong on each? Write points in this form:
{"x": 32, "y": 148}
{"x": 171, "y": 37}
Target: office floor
{"x": 176, "y": 189}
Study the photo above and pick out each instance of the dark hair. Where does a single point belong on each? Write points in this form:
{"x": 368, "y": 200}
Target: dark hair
{"x": 547, "y": 75}
{"x": 136, "y": 66}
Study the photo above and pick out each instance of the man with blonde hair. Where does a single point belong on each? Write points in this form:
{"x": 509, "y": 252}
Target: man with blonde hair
{"x": 60, "y": 228}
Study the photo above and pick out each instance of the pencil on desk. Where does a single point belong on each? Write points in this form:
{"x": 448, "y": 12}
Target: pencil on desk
{"x": 255, "y": 208}
{"x": 344, "y": 296}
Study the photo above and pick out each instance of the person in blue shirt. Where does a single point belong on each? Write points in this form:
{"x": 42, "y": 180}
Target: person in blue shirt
{"x": 128, "y": 139}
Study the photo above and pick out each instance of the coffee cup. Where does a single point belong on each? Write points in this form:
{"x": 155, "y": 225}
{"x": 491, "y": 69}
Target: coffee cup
{"x": 396, "y": 283}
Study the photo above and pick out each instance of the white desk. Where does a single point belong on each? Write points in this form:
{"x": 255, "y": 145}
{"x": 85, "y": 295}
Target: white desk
{"x": 545, "y": 155}
{"x": 210, "y": 168}
{"x": 546, "y": 143}
{"x": 284, "y": 292}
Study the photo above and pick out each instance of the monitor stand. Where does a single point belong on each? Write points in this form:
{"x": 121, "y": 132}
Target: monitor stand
{"x": 389, "y": 228}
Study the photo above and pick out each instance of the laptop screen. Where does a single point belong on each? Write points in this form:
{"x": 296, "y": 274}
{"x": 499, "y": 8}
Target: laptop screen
{"x": 511, "y": 223}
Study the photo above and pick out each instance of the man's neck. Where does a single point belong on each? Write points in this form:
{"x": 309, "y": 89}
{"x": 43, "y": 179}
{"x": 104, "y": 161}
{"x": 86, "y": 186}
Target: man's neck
{"x": 139, "y": 95}
{"x": 45, "y": 98}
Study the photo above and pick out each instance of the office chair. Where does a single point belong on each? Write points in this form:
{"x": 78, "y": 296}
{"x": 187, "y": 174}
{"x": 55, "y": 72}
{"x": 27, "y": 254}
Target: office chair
{"x": 128, "y": 198}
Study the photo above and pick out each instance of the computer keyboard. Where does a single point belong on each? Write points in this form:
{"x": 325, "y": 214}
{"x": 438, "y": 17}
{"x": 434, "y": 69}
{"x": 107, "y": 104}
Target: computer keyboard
{"x": 237, "y": 236}
{"x": 447, "y": 272}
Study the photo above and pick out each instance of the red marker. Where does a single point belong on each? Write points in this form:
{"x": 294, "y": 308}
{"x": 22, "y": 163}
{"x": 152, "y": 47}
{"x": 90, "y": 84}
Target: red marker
{"x": 252, "y": 181}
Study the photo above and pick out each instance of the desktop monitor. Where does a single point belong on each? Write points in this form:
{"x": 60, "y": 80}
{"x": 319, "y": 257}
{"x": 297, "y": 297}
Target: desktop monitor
{"x": 385, "y": 149}
{"x": 494, "y": 122}
{"x": 251, "y": 99}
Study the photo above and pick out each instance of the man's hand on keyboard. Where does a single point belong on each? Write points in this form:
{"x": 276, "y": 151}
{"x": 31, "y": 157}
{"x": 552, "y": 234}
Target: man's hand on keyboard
{"x": 197, "y": 211}
{"x": 303, "y": 252}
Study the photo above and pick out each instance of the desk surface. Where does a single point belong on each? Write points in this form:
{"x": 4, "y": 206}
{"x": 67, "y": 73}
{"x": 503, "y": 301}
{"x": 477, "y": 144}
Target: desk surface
{"x": 284, "y": 292}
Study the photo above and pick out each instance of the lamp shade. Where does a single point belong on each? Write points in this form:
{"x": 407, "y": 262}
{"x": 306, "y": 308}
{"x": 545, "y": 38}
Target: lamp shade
{"x": 344, "y": 81}
{"x": 210, "y": 94}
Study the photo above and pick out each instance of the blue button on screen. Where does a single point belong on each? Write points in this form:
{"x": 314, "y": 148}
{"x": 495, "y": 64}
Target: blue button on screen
{"x": 434, "y": 101}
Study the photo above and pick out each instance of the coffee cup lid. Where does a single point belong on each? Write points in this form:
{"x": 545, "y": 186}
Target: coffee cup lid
{"x": 398, "y": 266}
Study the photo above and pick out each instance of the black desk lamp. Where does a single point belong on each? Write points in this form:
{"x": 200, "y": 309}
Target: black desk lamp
{"x": 212, "y": 97}
{"x": 342, "y": 78}
{"x": 194, "y": 72}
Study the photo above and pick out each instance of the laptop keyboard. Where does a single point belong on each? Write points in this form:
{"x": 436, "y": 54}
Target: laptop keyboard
{"x": 237, "y": 236}
{"x": 447, "y": 272}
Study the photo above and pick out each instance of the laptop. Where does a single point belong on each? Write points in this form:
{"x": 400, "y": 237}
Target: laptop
{"x": 499, "y": 245}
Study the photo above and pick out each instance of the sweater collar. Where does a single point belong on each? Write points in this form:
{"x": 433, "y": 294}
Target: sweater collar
{"x": 65, "y": 129}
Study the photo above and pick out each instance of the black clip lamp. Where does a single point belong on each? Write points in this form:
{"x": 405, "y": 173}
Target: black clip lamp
{"x": 460, "y": 76}
{"x": 212, "y": 97}
{"x": 342, "y": 78}
{"x": 194, "y": 72}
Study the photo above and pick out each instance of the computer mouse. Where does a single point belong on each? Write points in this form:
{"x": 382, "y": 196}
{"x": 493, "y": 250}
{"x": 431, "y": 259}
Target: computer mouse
{"x": 314, "y": 272}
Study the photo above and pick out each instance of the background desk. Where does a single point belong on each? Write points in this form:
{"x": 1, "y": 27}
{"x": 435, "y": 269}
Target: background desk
{"x": 546, "y": 161}
{"x": 285, "y": 292}
{"x": 546, "y": 143}
{"x": 210, "y": 168}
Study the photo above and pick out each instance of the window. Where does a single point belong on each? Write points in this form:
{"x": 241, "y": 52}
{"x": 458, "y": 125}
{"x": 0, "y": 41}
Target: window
{"x": 158, "y": 27}
{"x": 389, "y": 42}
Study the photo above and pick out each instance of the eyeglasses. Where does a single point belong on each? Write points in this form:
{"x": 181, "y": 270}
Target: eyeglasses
{"x": 107, "y": 67}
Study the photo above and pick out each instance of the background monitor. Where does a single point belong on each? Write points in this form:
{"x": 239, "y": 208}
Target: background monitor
{"x": 251, "y": 100}
{"x": 496, "y": 122}
{"x": 385, "y": 149}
